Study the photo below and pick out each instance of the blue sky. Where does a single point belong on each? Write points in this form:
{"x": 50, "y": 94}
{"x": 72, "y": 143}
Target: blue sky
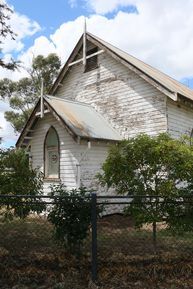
{"x": 149, "y": 30}
{"x": 50, "y": 14}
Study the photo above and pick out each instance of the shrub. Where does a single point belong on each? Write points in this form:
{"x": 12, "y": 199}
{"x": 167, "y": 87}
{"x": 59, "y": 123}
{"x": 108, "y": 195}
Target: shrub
{"x": 71, "y": 216}
{"x": 17, "y": 178}
{"x": 153, "y": 166}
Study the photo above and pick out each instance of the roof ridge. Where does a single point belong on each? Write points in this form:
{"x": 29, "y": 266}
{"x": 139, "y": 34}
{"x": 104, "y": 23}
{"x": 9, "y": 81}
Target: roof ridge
{"x": 141, "y": 61}
{"x": 168, "y": 85}
{"x": 98, "y": 38}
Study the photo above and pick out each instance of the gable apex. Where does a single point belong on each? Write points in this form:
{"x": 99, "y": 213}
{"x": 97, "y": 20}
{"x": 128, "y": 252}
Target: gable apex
{"x": 164, "y": 83}
{"x": 75, "y": 57}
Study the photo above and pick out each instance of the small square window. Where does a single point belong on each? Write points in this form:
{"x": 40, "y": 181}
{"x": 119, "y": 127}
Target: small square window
{"x": 92, "y": 62}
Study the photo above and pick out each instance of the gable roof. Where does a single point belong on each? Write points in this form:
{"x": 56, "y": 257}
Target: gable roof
{"x": 81, "y": 120}
{"x": 158, "y": 79}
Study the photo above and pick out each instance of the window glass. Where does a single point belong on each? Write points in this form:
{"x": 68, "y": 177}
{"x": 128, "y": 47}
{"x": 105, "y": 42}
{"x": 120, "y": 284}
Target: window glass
{"x": 52, "y": 154}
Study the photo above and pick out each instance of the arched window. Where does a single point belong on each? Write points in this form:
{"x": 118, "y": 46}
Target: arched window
{"x": 51, "y": 154}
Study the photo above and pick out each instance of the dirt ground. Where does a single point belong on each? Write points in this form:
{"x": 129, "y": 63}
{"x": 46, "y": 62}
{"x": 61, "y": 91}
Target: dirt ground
{"x": 30, "y": 258}
{"x": 128, "y": 257}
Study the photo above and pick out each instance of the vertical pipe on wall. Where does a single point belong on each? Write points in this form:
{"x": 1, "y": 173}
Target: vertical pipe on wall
{"x": 78, "y": 176}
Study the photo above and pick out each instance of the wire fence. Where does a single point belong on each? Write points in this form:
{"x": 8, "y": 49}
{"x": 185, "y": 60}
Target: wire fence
{"x": 145, "y": 242}
{"x": 30, "y": 255}
{"x": 131, "y": 243}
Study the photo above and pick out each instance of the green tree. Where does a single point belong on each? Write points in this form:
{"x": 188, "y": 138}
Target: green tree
{"x": 153, "y": 166}
{"x": 17, "y": 178}
{"x": 23, "y": 94}
{"x": 45, "y": 68}
{"x": 6, "y": 31}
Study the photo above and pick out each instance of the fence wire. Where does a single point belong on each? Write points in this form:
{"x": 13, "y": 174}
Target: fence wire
{"x": 144, "y": 242}
{"x": 30, "y": 255}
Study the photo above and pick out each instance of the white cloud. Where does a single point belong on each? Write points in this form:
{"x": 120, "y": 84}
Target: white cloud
{"x": 42, "y": 45}
{"x": 22, "y": 27}
{"x": 72, "y": 3}
{"x": 66, "y": 36}
{"x": 107, "y": 6}
{"x": 161, "y": 34}
{"x": 6, "y": 131}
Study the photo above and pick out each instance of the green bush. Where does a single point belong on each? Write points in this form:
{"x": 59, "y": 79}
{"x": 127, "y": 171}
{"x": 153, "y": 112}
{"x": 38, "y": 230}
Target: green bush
{"x": 153, "y": 166}
{"x": 17, "y": 178}
{"x": 71, "y": 217}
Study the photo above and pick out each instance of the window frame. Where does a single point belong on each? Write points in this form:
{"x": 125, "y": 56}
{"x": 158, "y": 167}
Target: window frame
{"x": 90, "y": 52}
{"x": 57, "y": 148}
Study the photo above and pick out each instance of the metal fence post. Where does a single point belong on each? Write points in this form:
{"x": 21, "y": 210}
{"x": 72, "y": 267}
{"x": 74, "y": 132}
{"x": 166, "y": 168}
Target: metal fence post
{"x": 94, "y": 236}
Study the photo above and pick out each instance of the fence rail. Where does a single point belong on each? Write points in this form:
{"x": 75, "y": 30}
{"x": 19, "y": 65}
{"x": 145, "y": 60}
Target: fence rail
{"x": 129, "y": 227}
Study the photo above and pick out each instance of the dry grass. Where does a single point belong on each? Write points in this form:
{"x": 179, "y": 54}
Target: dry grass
{"x": 29, "y": 258}
{"x": 127, "y": 257}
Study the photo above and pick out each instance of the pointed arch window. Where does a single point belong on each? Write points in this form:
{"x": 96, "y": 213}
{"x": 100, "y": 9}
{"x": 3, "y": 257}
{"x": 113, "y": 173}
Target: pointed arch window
{"x": 51, "y": 154}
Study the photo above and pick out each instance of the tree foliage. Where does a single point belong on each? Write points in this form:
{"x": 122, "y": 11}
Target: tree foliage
{"x": 71, "y": 217}
{"x": 17, "y": 178}
{"x": 45, "y": 68}
{"x": 5, "y": 32}
{"x": 153, "y": 166}
{"x": 23, "y": 94}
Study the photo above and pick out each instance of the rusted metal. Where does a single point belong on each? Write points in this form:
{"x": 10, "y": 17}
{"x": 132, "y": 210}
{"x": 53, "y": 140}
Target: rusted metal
{"x": 82, "y": 119}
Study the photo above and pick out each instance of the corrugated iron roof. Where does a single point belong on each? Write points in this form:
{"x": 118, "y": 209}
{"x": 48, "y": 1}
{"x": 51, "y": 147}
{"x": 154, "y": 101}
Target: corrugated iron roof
{"x": 162, "y": 78}
{"x": 82, "y": 119}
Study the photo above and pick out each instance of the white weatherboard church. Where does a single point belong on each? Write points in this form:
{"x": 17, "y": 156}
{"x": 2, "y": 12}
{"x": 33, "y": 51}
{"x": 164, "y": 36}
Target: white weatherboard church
{"x": 101, "y": 95}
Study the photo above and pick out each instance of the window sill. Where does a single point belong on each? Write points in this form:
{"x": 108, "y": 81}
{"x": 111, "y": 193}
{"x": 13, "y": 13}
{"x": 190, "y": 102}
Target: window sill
{"x": 52, "y": 180}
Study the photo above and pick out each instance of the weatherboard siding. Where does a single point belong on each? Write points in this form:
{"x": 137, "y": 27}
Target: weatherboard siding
{"x": 180, "y": 119}
{"x": 70, "y": 154}
{"x": 91, "y": 164}
{"x": 127, "y": 101}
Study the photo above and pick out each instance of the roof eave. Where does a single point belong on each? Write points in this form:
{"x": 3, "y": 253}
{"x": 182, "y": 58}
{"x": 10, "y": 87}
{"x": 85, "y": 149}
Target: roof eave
{"x": 70, "y": 130}
{"x": 142, "y": 74}
{"x": 65, "y": 68}
{"x": 27, "y": 125}
{"x": 32, "y": 118}
{"x": 97, "y": 139}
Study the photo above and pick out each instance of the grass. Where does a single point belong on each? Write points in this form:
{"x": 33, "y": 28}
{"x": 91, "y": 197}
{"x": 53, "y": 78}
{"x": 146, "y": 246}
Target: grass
{"x": 127, "y": 256}
{"x": 30, "y": 258}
